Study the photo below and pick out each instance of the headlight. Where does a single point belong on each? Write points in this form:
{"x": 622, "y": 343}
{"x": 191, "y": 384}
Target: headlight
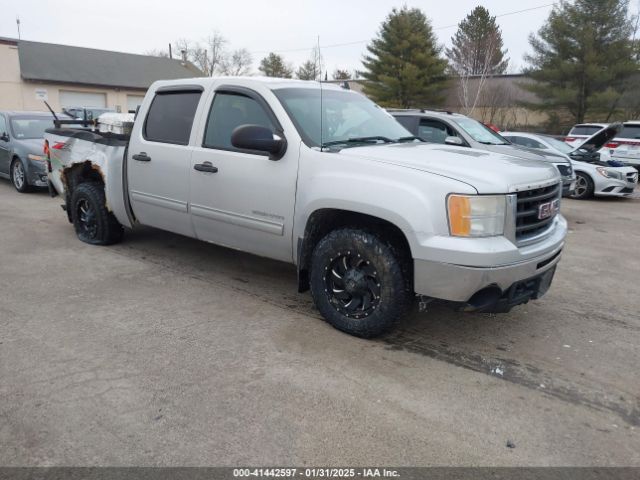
{"x": 476, "y": 215}
{"x": 610, "y": 173}
{"x": 37, "y": 158}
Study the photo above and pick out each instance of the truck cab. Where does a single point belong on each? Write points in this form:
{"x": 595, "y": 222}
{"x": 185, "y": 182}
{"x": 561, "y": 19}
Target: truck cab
{"x": 325, "y": 179}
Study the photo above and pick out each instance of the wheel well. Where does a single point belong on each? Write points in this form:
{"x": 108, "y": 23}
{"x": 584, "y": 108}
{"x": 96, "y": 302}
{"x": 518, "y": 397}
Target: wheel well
{"x": 322, "y": 222}
{"x": 75, "y": 175}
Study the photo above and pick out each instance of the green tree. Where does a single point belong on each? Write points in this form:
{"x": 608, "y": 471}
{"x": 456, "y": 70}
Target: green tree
{"x": 273, "y": 65}
{"x": 403, "y": 67}
{"x": 308, "y": 71}
{"x": 477, "y": 46}
{"x": 583, "y": 59}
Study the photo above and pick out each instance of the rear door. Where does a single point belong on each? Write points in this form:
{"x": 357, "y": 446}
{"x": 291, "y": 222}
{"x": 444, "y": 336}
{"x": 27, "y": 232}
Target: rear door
{"x": 4, "y": 146}
{"x": 159, "y": 155}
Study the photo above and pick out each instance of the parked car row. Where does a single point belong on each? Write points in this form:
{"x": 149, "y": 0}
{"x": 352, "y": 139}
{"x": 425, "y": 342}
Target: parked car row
{"x": 624, "y": 147}
{"x": 594, "y": 176}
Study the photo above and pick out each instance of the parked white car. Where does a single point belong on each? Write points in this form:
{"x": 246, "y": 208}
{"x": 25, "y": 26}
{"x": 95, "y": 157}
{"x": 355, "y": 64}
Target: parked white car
{"x": 625, "y": 147}
{"x": 580, "y": 132}
{"x": 594, "y": 176}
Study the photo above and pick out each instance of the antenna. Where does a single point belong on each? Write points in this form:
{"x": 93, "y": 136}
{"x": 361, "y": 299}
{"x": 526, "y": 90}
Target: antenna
{"x": 318, "y": 58}
{"x": 18, "y": 24}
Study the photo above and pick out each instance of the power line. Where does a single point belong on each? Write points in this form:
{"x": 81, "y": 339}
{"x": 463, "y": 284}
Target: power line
{"x": 358, "y": 42}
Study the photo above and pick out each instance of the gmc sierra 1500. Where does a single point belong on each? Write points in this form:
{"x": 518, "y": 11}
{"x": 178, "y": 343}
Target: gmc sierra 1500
{"x": 323, "y": 178}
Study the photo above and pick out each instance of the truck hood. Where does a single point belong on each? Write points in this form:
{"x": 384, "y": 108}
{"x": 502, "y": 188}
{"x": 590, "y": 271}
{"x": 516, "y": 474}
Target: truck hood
{"x": 487, "y": 172}
{"x": 528, "y": 153}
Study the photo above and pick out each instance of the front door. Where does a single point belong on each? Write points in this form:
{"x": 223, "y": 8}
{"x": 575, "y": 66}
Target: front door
{"x": 4, "y": 146}
{"x": 158, "y": 162}
{"x": 241, "y": 199}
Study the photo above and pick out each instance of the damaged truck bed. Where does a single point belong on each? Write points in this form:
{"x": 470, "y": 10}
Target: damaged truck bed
{"x": 77, "y": 156}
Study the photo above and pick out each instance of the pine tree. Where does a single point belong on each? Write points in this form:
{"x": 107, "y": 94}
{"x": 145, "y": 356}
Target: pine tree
{"x": 583, "y": 58}
{"x": 403, "y": 67}
{"x": 313, "y": 68}
{"x": 307, "y": 71}
{"x": 273, "y": 65}
{"x": 477, "y": 46}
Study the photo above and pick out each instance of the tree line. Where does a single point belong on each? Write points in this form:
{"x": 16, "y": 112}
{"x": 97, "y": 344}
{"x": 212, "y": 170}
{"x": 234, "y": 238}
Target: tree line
{"x": 584, "y": 60}
{"x": 213, "y": 57}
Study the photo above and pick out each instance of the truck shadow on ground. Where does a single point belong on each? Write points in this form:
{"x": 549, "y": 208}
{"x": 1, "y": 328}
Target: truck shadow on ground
{"x": 483, "y": 343}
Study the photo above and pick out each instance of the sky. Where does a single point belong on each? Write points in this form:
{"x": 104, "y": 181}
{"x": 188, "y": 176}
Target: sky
{"x": 288, "y": 27}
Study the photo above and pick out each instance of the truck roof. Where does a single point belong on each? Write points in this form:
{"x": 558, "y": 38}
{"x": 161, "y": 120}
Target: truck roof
{"x": 268, "y": 82}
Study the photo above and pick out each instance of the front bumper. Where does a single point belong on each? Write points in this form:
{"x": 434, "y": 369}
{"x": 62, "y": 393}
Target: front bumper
{"x": 37, "y": 174}
{"x": 489, "y": 283}
{"x": 568, "y": 186}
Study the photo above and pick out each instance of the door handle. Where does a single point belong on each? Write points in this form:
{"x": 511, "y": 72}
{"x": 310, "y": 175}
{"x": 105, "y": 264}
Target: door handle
{"x": 142, "y": 157}
{"x": 205, "y": 167}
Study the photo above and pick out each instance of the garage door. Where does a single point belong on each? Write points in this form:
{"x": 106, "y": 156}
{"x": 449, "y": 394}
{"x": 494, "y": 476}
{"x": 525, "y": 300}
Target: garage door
{"x": 133, "y": 101}
{"x": 69, "y": 98}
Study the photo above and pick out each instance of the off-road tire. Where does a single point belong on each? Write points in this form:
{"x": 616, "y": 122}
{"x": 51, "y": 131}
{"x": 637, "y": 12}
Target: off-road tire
{"x": 105, "y": 229}
{"x": 392, "y": 271}
{"x": 24, "y": 187}
{"x": 588, "y": 193}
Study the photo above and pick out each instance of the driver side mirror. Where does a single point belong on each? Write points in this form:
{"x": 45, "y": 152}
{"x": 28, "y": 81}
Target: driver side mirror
{"x": 260, "y": 139}
{"x": 4, "y": 137}
{"x": 457, "y": 141}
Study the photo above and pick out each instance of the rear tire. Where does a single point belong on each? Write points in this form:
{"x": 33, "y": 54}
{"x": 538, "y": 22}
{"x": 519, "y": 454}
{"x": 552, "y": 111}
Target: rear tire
{"x": 359, "y": 282}
{"x": 584, "y": 187}
{"x": 94, "y": 224}
{"x": 19, "y": 176}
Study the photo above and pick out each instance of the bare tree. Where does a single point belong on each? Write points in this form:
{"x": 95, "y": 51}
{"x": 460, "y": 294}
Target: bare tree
{"x": 216, "y": 43}
{"x": 157, "y": 53}
{"x": 237, "y": 63}
{"x": 471, "y": 85}
{"x": 208, "y": 55}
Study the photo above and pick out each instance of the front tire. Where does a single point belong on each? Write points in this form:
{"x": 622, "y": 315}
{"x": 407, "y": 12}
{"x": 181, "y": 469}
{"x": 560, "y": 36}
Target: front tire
{"x": 19, "y": 176}
{"x": 359, "y": 282}
{"x": 584, "y": 187}
{"x": 94, "y": 224}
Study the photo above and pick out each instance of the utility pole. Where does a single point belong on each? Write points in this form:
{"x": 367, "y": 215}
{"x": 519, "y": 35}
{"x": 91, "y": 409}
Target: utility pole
{"x": 18, "y": 24}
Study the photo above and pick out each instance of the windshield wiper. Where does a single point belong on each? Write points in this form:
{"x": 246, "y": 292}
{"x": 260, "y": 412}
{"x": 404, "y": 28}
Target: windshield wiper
{"x": 408, "y": 139}
{"x": 492, "y": 143}
{"x": 348, "y": 141}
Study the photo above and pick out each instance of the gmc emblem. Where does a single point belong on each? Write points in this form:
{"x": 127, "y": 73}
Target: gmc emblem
{"x": 548, "y": 209}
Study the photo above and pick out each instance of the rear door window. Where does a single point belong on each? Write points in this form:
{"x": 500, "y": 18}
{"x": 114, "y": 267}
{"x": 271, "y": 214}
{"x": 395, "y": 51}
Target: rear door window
{"x": 170, "y": 117}
{"x": 433, "y": 131}
{"x": 630, "y": 131}
{"x": 586, "y": 130}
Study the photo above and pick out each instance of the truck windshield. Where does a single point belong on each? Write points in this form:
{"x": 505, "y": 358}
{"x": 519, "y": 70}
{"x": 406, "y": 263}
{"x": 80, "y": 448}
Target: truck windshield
{"x": 30, "y": 127}
{"x": 348, "y": 119}
{"x": 479, "y": 132}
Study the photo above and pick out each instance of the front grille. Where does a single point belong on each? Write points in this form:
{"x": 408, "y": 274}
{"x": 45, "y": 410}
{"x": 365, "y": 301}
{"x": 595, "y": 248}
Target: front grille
{"x": 565, "y": 170}
{"x": 632, "y": 177}
{"x": 527, "y": 222}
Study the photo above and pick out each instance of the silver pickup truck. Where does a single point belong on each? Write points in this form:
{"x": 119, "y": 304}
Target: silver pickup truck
{"x": 325, "y": 179}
